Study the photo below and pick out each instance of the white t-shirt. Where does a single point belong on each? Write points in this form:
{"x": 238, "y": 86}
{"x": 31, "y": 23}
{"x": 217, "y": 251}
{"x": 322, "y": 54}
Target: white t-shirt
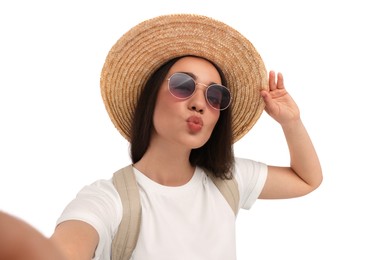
{"x": 192, "y": 221}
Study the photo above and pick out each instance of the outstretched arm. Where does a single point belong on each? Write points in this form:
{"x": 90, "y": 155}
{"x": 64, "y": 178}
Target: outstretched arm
{"x": 304, "y": 174}
{"x": 20, "y": 241}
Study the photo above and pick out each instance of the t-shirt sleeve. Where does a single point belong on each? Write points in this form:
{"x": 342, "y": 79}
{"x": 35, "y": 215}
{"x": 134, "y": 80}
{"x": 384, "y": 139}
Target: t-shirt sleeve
{"x": 99, "y": 205}
{"x": 251, "y": 177}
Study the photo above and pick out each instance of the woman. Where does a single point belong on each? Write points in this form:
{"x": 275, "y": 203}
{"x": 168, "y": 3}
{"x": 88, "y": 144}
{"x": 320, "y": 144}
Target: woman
{"x": 182, "y": 89}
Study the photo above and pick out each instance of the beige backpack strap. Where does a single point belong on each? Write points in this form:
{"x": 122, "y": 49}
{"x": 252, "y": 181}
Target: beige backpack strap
{"x": 126, "y": 237}
{"x": 229, "y": 190}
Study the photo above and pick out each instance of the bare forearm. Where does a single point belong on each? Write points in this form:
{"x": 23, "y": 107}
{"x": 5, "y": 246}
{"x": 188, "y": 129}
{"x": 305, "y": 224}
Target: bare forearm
{"x": 304, "y": 159}
{"x": 18, "y": 240}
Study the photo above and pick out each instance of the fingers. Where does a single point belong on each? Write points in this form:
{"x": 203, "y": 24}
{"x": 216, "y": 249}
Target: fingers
{"x": 280, "y": 82}
{"x": 275, "y": 83}
{"x": 269, "y": 104}
{"x": 271, "y": 80}
{"x": 266, "y": 97}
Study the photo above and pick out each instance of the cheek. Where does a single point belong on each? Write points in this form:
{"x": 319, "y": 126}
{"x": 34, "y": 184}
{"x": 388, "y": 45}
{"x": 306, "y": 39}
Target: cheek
{"x": 214, "y": 116}
{"x": 164, "y": 111}
{"x": 212, "y": 120}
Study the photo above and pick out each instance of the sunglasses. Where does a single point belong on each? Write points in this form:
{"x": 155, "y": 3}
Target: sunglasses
{"x": 183, "y": 86}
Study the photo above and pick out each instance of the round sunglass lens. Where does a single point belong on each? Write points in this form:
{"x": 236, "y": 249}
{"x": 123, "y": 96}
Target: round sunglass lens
{"x": 181, "y": 85}
{"x": 218, "y": 97}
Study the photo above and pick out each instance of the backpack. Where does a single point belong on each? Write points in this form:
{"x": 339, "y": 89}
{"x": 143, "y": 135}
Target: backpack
{"x": 126, "y": 237}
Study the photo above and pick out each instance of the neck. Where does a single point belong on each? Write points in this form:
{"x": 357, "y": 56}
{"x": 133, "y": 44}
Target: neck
{"x": 166, "y": 164}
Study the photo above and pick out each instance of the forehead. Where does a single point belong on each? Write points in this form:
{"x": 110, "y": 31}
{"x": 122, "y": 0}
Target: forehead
{"x": 201, "y": 68}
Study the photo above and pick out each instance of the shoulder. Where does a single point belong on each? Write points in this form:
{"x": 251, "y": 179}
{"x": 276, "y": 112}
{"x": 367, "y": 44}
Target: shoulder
{"x": 244, "y": 166}
{"x": 95, "y": 198}
{"x": 250, "y": 176}
{"x": 98, "y": 204}
{"x": 100, "y": 193}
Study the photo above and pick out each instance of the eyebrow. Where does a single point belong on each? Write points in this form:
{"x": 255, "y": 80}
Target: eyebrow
{"x": 192, "y": 75}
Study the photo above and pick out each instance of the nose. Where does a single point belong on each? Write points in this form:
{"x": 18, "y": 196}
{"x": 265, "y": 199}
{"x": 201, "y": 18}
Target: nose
{"x": 198, "y": 101}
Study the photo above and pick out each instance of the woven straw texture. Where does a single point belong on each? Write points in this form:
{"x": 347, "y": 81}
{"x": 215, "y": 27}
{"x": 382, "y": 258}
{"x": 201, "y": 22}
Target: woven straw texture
{"x": 148, "y": 45}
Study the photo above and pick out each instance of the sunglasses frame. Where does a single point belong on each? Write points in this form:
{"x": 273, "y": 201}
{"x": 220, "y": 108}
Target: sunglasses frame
{"x": 207, "y": 87}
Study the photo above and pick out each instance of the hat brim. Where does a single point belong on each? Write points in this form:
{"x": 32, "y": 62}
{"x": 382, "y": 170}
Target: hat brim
{"x": 150, "y": 44}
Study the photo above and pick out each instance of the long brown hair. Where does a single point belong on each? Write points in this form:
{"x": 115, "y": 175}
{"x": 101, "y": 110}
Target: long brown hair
{"x": 216, "y": 155}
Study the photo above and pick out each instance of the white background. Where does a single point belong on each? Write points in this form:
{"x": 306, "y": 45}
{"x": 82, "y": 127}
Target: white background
{"x": 56, "y": 137}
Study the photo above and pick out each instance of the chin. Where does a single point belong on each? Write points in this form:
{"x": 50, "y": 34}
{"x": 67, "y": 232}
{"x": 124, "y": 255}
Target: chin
{"x": 196, "y": 147}
{"x": 198, "y": 143}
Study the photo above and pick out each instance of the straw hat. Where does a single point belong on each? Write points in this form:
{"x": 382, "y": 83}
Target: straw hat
{"x": 148, "y": 45}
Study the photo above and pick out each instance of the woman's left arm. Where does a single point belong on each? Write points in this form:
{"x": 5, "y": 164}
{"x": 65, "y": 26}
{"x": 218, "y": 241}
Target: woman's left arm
{"x": 304, "y": 174}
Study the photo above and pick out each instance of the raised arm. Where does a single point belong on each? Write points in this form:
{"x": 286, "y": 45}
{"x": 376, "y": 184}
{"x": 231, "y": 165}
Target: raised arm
{"x": 304, "y": 174}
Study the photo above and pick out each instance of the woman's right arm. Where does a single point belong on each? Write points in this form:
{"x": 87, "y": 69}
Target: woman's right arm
{"x": 75, "y": 239}
{"x": 19, "y": 241}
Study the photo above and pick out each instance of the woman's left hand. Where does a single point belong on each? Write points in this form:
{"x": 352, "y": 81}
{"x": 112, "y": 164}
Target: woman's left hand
{"x": 278, "y": 103}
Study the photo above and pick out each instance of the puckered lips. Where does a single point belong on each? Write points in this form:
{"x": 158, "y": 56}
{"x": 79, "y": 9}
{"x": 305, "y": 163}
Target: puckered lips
{"x": 195, "y": 124}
